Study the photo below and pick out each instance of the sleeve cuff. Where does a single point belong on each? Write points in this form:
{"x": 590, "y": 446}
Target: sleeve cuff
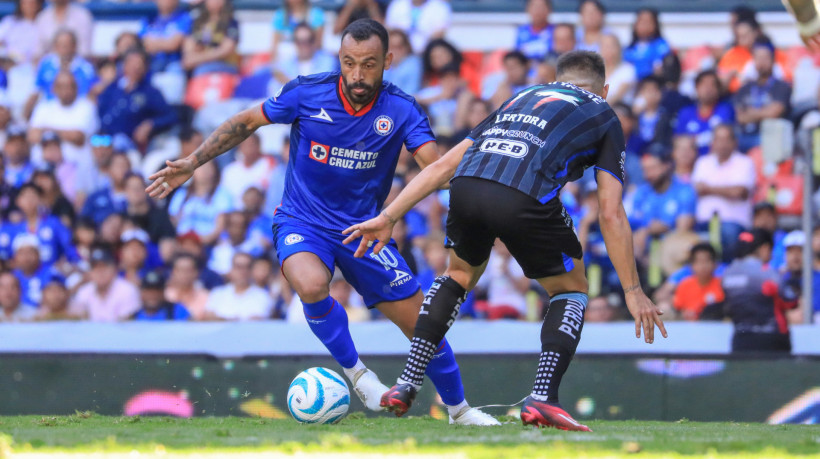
{"x": 420, "y": 147}
{"x": 608, "y": 172}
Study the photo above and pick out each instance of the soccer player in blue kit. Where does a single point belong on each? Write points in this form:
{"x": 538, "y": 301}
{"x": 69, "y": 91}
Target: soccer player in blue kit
{"x": 347, "y": 131}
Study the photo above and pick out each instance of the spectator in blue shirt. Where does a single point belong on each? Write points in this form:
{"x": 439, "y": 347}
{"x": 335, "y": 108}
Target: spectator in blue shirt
{"x": 406, "y": 69}
{"x": 201, "y": 207}
{"x": 154, "y": 305}
{"x": 33, "y": 276}
{"x": 308, "y": 59}
{"x": 111, "y": 198}
{"x": 662, "y": 201}
{"x": 132, "y": 106}
{"x": 706, "y": 113}
{"x": 535, "y": 39}
{"x": 55, "y": 238}
{"x": 16, "y": 159}
{"x": 64, "y": 56}
{"x": 648, "y": 48}
{"x": 163, "y": 36}
{"x": 764, "y": 98}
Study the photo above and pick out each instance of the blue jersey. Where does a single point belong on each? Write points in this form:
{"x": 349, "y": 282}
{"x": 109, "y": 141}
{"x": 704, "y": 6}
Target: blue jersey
{"x": 55, "y": 240}
{"x": 678, "y": 199}
{"x": 32, "y": 286}
{"x": 646, "y": 55}
{"x": 342, "y": 161}
{"x": 535, "y": 44}
{"x": 690, "y": 123}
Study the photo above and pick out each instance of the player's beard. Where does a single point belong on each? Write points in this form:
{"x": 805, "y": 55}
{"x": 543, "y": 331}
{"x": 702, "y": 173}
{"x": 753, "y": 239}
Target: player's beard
{"x": 364, "y": 98}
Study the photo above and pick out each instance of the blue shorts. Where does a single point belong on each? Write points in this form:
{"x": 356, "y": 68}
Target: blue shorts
{"x": 377, "y": 277}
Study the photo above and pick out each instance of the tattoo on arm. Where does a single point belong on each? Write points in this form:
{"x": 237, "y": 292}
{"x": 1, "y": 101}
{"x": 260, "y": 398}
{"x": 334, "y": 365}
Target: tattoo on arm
{"x": 228, "y": 135}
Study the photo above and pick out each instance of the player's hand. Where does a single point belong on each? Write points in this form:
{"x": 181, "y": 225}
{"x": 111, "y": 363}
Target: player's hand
{"x": 166, "y": 180}
{"x": 376, "y": 230}
{"x": 646, "y": 315}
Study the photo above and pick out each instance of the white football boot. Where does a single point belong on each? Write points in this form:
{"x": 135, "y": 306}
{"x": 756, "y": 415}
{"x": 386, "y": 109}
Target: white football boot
{"x": 369, "y": 389}
{"x": 473, "y": 417}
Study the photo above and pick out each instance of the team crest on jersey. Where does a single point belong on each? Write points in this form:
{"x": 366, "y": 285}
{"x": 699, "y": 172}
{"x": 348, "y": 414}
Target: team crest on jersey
{"x": 319, "y": 152}
{"x": 293, "y": 238}
{"x": 383, "y": 125}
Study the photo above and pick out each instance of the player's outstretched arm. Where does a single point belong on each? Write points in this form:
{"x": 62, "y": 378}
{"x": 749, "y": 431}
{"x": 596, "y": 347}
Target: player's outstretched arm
{"x": 228, "y": 135}
{"x": 807, "y": 14}
{"x": 431, "y": 178}
{"x": 618, "y": 240}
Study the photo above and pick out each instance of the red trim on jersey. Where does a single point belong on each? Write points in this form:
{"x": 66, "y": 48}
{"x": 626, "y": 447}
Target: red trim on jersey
{"x": 265, "y": 115}
{"x": 349, "y": 108}
{"x": 419, "y": 148}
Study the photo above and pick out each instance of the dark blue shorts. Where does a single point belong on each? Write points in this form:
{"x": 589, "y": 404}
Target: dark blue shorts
{"x": 377, "y": 277}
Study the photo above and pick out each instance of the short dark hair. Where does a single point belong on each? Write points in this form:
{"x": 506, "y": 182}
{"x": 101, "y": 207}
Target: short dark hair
{"x": 363, "y": 29}
{"x": 598, "y": 5}
{"x": 584, "y": 62}
{"x": 567, "y": 25}
{"x": 517, "y": 55}
{"x": 705, "y": 74}
{"x": 651, "y": 79}
{"x": 30, "y": 186}
{"x": 704, "y": 247}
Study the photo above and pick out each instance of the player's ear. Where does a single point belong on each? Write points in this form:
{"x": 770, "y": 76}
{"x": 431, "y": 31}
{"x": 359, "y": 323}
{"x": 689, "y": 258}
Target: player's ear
{"x": 605, "y": 91}
{"x": 388, "y": 59}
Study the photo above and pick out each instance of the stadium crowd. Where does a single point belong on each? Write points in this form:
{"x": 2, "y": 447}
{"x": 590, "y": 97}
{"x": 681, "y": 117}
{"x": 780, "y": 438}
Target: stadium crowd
{"x": 80, "y": 239}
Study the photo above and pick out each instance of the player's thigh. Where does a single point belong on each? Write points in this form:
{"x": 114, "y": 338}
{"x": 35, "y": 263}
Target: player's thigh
{"x": 469, "y": 235}
{"x": 463, "y": 271}
{"x": 573, "y": 281}
{"x": 307, "y": 260}
{"x": 377, "y": 277}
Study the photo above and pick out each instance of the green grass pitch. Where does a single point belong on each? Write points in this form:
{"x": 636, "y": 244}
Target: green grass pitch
{"x": 357, "y": 436}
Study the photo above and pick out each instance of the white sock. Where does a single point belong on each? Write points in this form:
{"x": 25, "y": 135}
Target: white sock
{"x": 540, "y": 398}
{"x": 351, "y": 372}
{"x": 415, "y": 386}
{"x": 456, "y": 409}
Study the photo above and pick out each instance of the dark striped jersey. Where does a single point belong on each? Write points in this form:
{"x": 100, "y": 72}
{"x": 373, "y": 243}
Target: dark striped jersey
{"x": 544, "y": 137}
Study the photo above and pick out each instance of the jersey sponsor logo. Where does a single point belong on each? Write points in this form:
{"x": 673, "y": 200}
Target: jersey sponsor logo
{"x": 322, "y": 115}
{"x": 319, "y": 152}
{"x": 401, "y": 278}
{"x": 383, "y": 125}
{"x": 293, "y": 238}
{"x": 346, "y": 158}
{"x": 521, "y": 118}
{"x": 528, "y": 136}
{"x": 505, "y": 147}
{"x": 553, "y": 95}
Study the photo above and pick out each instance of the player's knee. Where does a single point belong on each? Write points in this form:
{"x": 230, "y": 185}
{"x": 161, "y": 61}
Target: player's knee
{"x": 462, "y": 277}
{"x": 311, "y": 289}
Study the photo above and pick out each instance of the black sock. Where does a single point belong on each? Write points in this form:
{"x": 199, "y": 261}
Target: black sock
{"x": 560, "y": 334}
{"x": 438, "y": 312}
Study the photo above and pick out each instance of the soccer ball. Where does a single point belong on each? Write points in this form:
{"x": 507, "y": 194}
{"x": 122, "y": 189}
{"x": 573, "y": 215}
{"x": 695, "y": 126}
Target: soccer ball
{"x": 318, "y": 396}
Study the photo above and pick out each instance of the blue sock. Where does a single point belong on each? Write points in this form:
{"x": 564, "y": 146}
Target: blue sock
{"x": 443, "y": 371}
{"x": 328, "y": 321}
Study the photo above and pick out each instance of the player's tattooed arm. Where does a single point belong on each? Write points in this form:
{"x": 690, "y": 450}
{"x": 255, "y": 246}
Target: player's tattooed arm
{"x": 229, "y": 134}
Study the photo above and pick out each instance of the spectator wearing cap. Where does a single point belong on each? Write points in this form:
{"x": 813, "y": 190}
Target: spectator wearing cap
{"x": 234, "y": 240}
{"x": 109, "y": 199}
{"x": 702, "y": 289}
{"x": 18, "y": 166}
{"x": 662, "y": 202}
{"x": 184, "y": 286}
{"x": 190, "y": 244}
{"x": 54, "y": 237}
{"x": 240, "y": 299}
{"x": 54, "y": 305}
{"x": 144, "y": 213}
{"x": 53, "y": 198}
{"x": 756, "y": 297}
{"x": 66, "y": 15}
{"x": 33, "y": 276}
{"x": 201, "y": 207}
{"x": 72, "y": 118}
{"x": 724, "y": 180}
{"x": 164, "y": 34}
{"x": 707, "y": 112}
{"x": 155, "y": 306}
{"x": 18, "y": 32}
{"x": 65, "y": 172}
{"x": 12, "y": 309}
{"x": 250, "y": 169}
{"x": 63, "y": 58}
{"x": 134, "y": 255}
{"x": 765, "y": 97}
{"x": 106, "y": 297}
{"x": 422, "y": 20}
{"x": 132, "y": 106}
